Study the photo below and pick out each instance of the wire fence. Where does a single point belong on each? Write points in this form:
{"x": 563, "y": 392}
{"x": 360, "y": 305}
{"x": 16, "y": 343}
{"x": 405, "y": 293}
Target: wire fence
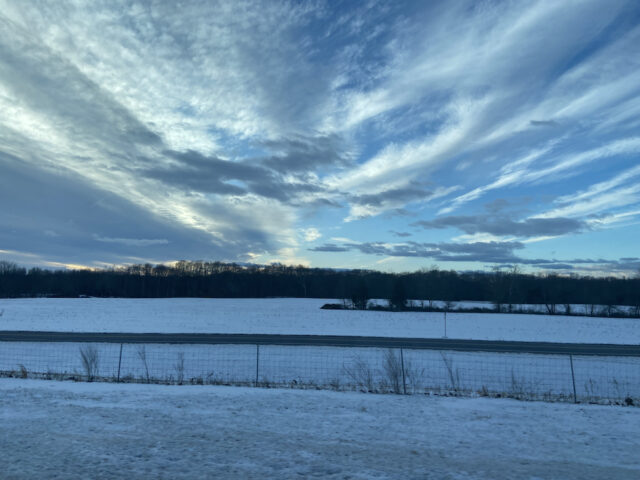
{"x": 558, "y": 377}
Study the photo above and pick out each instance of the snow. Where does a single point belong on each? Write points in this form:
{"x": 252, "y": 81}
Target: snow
{"x": 79, "y": 430}
{"x": 531, "y": 376}
{"x": 523, "y": 375}
{"x": 300, "y": 316}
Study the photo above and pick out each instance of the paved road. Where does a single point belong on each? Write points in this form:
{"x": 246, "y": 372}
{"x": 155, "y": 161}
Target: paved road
{"x": 327, "y": 340}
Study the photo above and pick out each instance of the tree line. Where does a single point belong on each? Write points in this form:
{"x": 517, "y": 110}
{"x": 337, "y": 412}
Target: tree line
{"x": 504, "y": 288}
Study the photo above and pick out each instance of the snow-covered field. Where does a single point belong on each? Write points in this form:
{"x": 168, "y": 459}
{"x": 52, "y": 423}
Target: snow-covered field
{"x": 521, "y": 375}
{"x": 300, "y": 316}
{"x": 77, "y": 431}
{"x": 105, "y": 430}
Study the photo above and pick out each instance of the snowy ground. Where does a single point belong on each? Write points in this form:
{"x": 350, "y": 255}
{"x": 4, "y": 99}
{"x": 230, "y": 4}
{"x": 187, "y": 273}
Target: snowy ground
{"x": 530, "y": 376}
{"x": 299, "y": 316}
{"x": 521, "y": 375}
{"x": 78, "y": 431}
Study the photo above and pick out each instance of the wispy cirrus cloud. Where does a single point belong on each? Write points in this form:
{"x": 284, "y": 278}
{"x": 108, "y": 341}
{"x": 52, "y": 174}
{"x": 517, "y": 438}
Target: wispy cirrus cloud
{"x": 535, "y": 168}
{"x": 496, "y": 101}
{"x": 609, "y": 196}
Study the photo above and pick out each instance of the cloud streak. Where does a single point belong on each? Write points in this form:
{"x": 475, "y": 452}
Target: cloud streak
{"x": 135, "y": 242}
{"x": 502, "y": 226}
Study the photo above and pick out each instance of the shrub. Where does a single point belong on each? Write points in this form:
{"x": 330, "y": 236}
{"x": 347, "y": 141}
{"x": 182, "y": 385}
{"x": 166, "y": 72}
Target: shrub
{"x": 90, "y": 361}
{"x": 360, "y": 373}
{"x": 393, "y": 371}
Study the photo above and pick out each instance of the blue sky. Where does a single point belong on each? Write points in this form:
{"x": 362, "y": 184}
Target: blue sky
{"x": 387, "y": 135}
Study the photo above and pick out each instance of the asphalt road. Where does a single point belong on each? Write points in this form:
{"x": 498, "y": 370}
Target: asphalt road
{"x": 328, "y": 340}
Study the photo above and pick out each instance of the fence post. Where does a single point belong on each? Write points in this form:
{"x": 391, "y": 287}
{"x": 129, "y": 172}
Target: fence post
{"x": 445, "y": 324}
{"x": 573, "y": 379}
{"x": 257, "y": 362}
{"x": 404, "y": 381}
{"x": 119, "y": 363}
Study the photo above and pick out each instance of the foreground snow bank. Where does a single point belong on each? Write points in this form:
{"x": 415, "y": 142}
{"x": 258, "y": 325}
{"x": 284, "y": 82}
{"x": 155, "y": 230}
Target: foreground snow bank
{"x": 299, "y": 316}
{"x": 79, "y": 430}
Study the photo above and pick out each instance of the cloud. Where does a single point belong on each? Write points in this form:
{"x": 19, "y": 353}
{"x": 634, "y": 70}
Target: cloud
{"x": 395, "y": 195}
{"x": 71, "y": 211}
{"x": 490, "y": 252}
{"x": 495, "y": 252}
{"x": 311, "y": 234}
{"x": 510, "y": 174}
{"x": 503, "y": 226}
{"x": 228, "y": 128}
{"x": 487, "y": 252}
{"x": 621, "y": 190}
{"x": 543, "y": 123}
{"x": 557, "y": 168}
{"x": 133, "y": 242}
{"x": 303, "y": 153}
{"x": 329, "y": 247}
{"x": 394, "y": 164}
{"x": 501, "y": 204}
{"x": 365, "y": 205}
{"x": 392, "y": 200}
{"x": 200, "y": 173}
{"x": 510, "y": 78}
{"x": 556, "y": 266}
{"x": 90, "y": 113}
{"x": 201, "y": 68}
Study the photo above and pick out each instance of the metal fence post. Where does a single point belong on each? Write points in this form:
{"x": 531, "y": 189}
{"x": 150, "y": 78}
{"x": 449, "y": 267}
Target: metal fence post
{"x": 257, "y": 362}
{"x": 573, "y": 379}
{"x": 404, "y": 381}
{"x": 445, "y": 324}
{"x": 119, "y": 363}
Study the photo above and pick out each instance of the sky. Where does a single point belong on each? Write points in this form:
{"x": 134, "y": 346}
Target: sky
{"x": 383, "y": 135}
